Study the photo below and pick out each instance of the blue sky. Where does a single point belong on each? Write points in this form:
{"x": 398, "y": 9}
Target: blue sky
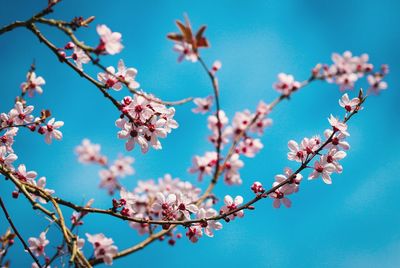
{"x": 352, "y": 223}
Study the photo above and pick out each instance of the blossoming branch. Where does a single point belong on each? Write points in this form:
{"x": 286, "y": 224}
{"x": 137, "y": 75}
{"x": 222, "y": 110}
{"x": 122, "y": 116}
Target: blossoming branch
{"x": 168, "y": 208}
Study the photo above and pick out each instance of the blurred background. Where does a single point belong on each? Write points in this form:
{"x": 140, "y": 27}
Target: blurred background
{"x": 352, "y": 223}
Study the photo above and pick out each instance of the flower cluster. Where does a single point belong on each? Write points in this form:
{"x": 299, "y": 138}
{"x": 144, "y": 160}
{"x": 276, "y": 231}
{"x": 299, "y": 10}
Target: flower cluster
{"x": 78, "y": 55}
{"x": 21, "y": 116}
{"x": 89, "y": 153}
{"x": 167, "y": 199}
{"x": 330, "y": 151}
{"x": 346, "y": 69}
{"x": 147, "y": 121}
{"x": 104, "y": 247}
{"x": 244, "y": 123}
{"x": 112, "y": 79}
{"x": 286, "y": 84}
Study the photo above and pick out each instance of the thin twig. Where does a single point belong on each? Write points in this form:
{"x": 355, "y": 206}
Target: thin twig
{"x": 26, "y": 247}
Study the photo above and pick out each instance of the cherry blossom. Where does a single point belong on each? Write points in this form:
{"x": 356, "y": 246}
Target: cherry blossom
{"x": 89, "y": 152}
{"x": 21, "y": 114}
{"x": 347, "y": 104}
{"x": 203, "y": 164}
{"x": 152, "y": 121}
{"x": 80, "y": 57}
{"x": 51, "y": 130}
{"x": 109, "y": 181}
{"x": 210, "y": 225}
{"x": 185, "y": 207}
{"x": 111, "y": 78}
{"x": 279, "y": 198}
{"x": 103, "y": 247}
{"x": 286, "y": 84}
{"x": 33, "y": 84}
{"x": 194, "y": 233}
{"x": 127, "y": 74}
{"x": 324, "y": 169}
{"x": 203, "y": 104}
{"x": 332, "y": 157}
{"x": 122, "y": 166}
{"x": 232, "y": 204}
{"x": 185, "y": 51}
{"x": 7, "y": 159}
{"x": 376, "y": 83}
{"x": 338, "y": 125}
{"x": 110, "y": 42}
{"x": 296, "y": 154}
{"x": 165, "y": 205}
{"x": 231, "y": 168}
{"x": 37, "y": 245}
{"x": 293, "y": 185}
{"x": 213, "y": 123}
{"x": 41, "y": 183}
{"x": 25, "y": 176}
{"x": 337, "y": 139}
{"x": 249, "y": 147}
{"x": 7, "y": 140}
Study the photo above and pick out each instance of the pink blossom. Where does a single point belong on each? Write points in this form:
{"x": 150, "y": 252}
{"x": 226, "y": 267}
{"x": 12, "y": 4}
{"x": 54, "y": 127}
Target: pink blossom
{"x": 324, "y": 169}
{"x": 142, "y": 228}
{"x": 204, "y": 165}
{"x": 293, "y": 185}
{"x": 337, "y": 139}
{"x": 210, "y": 225}
{"x": 376, "y": 83}
{"x": 7, "y": 159}
{"x": 333, "y": 157}
{"x": 231, "y": 169}
{"x": 103, "y": 247}
{"x": 249, "y": 147}
{"x": 286, "y": 84}
{"x": 110, "y": 41}
{"x": 338, "y": 125}
{"x": 213, "y": 123}
{"x": 41, "y": 183}
{"x": 33, "y": 84}
{"x": 347, "y": 104}
{"x": 232, "y": 204}
{"x": 90, "y": 153}
{"x": 112, "y": 78}
{"x": 109, "y": 181}
{"x": 279, "y": 198}
{"x": 123, "y": 166}
{"x": 25, "y": 176}
{"x": 185, "y": 51}
{"x": 203, "y": 104}
{"x": 7, "y": 140}
{"x": 21, "y": 114}
{"x": 185, "y": 206}
{"x": 37, "y": 245}
{"x": 51, "y": 130}
{"x": 132, "y": 134}
{"x": 194, "y": 233}
{"x": 296, "y": 154}
{"x": 80, "y": 57}
{"x": 263, "y": 108}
